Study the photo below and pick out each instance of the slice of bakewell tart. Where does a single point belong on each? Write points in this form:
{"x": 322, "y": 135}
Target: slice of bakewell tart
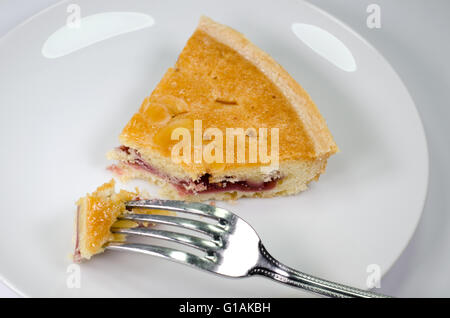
{"x": 225, "y": 122}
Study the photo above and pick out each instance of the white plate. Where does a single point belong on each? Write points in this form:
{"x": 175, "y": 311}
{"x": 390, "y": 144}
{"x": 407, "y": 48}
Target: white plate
{"x": 60, "y": 116}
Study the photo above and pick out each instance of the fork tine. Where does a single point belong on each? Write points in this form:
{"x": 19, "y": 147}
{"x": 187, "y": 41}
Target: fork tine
{"x": 189, "y": 240}
{"x": 181, "y": 206}
{"x": 164, "y": 252}
{"x": 202, "y": 227}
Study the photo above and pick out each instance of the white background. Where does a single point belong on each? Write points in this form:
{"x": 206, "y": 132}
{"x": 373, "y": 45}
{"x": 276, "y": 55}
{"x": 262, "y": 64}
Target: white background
{"x": 414, "y": 39}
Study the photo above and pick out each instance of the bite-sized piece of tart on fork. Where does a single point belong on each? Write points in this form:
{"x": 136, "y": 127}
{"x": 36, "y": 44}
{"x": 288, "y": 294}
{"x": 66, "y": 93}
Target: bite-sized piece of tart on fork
{"x": 97, "y": 213}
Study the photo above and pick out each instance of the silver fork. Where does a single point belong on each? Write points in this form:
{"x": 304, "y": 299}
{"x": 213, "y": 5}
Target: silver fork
{"x": 233, "y": 248}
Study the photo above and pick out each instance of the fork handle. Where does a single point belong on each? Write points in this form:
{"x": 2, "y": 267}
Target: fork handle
{"x": 271, "y": 268}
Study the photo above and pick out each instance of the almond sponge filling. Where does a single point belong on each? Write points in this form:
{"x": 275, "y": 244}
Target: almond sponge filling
{"x": 199, "y": 186}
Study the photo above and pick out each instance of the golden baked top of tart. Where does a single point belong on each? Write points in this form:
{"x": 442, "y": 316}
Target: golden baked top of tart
{"x": 225, "y": 81}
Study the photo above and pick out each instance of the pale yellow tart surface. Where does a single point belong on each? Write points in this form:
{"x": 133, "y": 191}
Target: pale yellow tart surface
{"x": 214, "y": 82}
{"x": 224, "y": 81}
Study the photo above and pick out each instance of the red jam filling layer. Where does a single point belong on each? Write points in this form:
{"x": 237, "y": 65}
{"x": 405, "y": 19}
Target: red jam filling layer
{"x": 77, "y": 253}
{"x": 201, "y": 185}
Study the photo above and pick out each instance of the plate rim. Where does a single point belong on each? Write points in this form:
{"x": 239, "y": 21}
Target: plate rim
{"x": 422, "y": 127}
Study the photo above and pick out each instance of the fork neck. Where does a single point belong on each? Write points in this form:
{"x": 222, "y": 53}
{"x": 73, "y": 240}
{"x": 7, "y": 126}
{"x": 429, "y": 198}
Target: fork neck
{"x": 269, "y": 267}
